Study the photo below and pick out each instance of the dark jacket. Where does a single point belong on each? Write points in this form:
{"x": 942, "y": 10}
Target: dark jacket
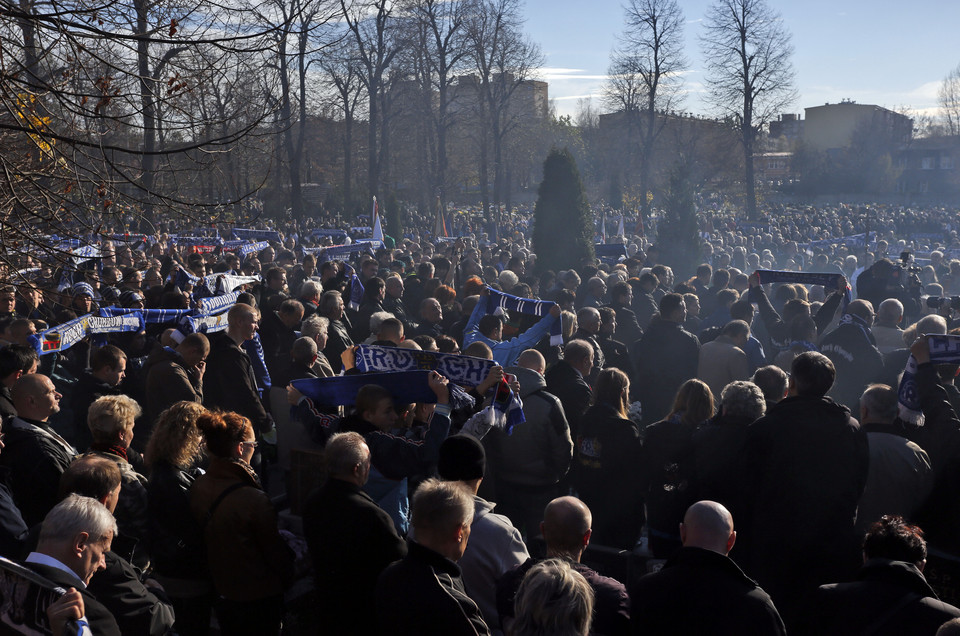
{"x": 131, "y": 512}
{"x": 351, "y": 542}
{"x": 717, "y": 448}
{"x": 248, "y": 558}
{"x": 87, "y": 391}
{"x": 101, "y": 620}
{"x": 852, "y": 350}
{"x": 277, "y": 340}
{"x": 702, "y": 592}
{"x": 35, "y": 457}
{"x": 231, "y": 384}
{"x": 168, "y": 382}
{"x": 887, "y": 598}
{"x": 395, "y": 307}
{"x": 137, "y": 609}
{"x": 606, "y": 475}
{"x": 628, "y": 329}
{"x": 7, "y": 409}
{"x": 361, "y": 324}
{"x": 14, "y": 534}
{"x": 423, "y": 594}
{"x": 806, "y": 467}
{"x": 338, "y": 341}
{"x": 175, "y": 538}
{"x": 611, "y": 604}
{"x": 666, "y": 357}
{"x": 567, "y": 384}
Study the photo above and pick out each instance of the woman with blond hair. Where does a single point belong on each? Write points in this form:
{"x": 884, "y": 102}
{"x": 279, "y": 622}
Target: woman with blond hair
{"x": 111, "y": 419}
{"x": 176, "y": 543}
{"x": 605, "y": 465}
{"x": 249, "y": 562}
{"x": 553, "y": 600}
{"x": 668, "y": 465}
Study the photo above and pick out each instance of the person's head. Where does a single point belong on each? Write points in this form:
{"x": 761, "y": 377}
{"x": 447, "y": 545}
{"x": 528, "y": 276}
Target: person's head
{"x": 704, "y": 272}
{"x": 369, "y": 269}
{"x": 375, "y": 405}
{"x": 566, "y": 527}
{"x": 741, "y": 310}
{"x": 491, "y": 326}
{"x": 17, "y": 361}
{"x": 242, "y": 321}
{"x": 533, "y": 360}
{"x": 290, "y": 313}
{"x": 878, "y": 405}
{"x": 579, "y": 355}
{"x": 276, "y": 278}
{"x": 462, "y": 458}
{"x": 555, "y": 599}
{"x": 621, "y": 293}
{"x": 391, "y": 329}
{"x": 227, "y": 435}
{"x": 374, "y": 289}
{"x": 304, "y": 351}
{"x": 692, "y": 303}
{"x": 742, "y": 399}
{"x": 588, "y": 319}
{"x": 709, "y": 526}
{"x": 109, "y": 364}
{"x": 693, "y": 403}
{"x": 331, "y": 305}
{"x": 893, "y": 538}
{"x": 310, "y": 291}
{"x": 932, "y": 324}
{"x": 92, "y": 476}
{"x": 35, "y": 397}
{"x": 862, "y": 309}
{"x": 950, "y": 628}
{"x": 111, "y": 419}
{"x": 613, "y": 388}
{"x": 394, "y": 287}
{"x": 347, "y": 457}
{"x": 20, "y": 331}
{"x": 772, "y": 381}
{"x": 441, "y": 514}
{"x": 194, "y": 349}
{"x": 738, "y": 331}
{"x": 479, "y": 350}
{"x": 672, "y": 308}
{"x": 8, "y": 299}
{"x": 78, "y": 531}
{"x": 430, "y": 310}
{"x": 811, "y": 374}
{"x": 890, "y": 313}
{"x": 176, "y": 439}
{"x": 315, "y": 327}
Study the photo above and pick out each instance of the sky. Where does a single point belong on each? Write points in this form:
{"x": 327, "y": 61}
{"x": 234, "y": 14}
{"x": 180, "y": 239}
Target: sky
{"x": 889, "y": 53}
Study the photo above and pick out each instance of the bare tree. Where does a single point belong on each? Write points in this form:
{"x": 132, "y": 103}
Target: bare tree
{"x": 949, "y": 98}
{"x": 645, "y": 74}
{"x": 749, "y": 72}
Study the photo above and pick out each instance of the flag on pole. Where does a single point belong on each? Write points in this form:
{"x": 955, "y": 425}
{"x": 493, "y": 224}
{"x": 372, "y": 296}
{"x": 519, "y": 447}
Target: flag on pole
{"x": 603, "y": 226}
{"x": 375, "y": 209}
{"x": 440, "y": 227}
{"x": 377, "y": 228}
{"x": 620, "y": 231}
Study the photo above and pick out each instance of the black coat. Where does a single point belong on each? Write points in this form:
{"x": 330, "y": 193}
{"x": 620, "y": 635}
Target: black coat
{"x": 136, "y": 608}
{"x": 423, "y": 594}
{"x": 36, "y": 458}
{"x": 87, "y": 391}
{"x": 805, "y": 470}
{"x": 605, "y": 473}
{"x": 101, "y": 620}
{"x": 567, "y": 384}
{"x": 702, "y": 592}
{"x": 14, "y": 534}
{"x": 888, "y": 598}
{"x": 230, "y": 383}
{"x": 175, "y": 539}
{"x": 857, "y": 359}
{"x": 338, "y": 341}
{"x": 628, "y": 329}
{"x": 351, "y": 542}
{"x": 277, "y": 340}
{"x": 666, "y": 357}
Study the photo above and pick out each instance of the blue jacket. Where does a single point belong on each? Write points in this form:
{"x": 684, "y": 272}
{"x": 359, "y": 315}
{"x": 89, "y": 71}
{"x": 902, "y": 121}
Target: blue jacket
{"x": 506, "y": 352}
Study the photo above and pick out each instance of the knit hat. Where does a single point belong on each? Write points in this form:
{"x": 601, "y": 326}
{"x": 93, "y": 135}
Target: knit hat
{"x": 462, "y": 458}
{"x": 129, "y": 298}
{"x": 80, "y": 289}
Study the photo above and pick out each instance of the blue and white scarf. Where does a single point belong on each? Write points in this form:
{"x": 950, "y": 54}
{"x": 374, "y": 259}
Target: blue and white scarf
{"x": 251, "y": 248}
{"x": 405, "y": 386}
{"x": 527, "y": 306}
{"x": 211, "y": 304}
{"x": 149, "y": 316}
{"x": 356, "y": 287}
{"x": 828, "y": 280}
{"x": 205, "y": 323}
{"x": 196, "y": 241}
{"x": 62, "y": 337}
{"x": 227, "y": 283}
{"x": 943, "y": 350}
{"x": 256, "y": 235}
{"x": 460, "y": 369}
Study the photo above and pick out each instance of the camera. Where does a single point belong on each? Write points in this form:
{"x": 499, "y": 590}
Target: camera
{"x": 936, "y": 302}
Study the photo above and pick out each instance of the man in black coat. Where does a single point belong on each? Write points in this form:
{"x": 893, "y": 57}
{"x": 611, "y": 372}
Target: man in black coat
{"x": 351, "y": 539}
{"x": 666, "y": 357}
{"x": 805, "y": 468}
{"x": 889, "y": 596}
{"x": 423, "y": 594}
{"x": 852, "y": 349}
{"x": 338, "y": 333}
{"x": 700, "y": 590}
{"x": 628, "y": 330}
{"x": 74, "y": 539}
{"x": 278, "y": 331}
{"x": 567, "y": 380}
{"x": 108, "y": 367}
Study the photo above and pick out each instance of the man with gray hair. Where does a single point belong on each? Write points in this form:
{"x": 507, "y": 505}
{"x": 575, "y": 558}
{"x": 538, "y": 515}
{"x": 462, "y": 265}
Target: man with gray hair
{"x": 315, "y": 327}
{"x": 75, "y": 536}
{"x": 700, "y": 590}
{"x": 886, "y": 330}
{"x": 423, "y": 593}
{"x": 351, "y": 539}
{"x": 900, "y": 475}
{"x": 717, "y": 446}
{"x": 588, "y": 329}
{"x": 309, "y": 297}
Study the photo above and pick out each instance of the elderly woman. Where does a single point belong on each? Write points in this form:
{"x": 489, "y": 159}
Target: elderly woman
{"x": 176, "y": 542}
{"x": 250, "y": 564}
{"x": 111, "y": 419}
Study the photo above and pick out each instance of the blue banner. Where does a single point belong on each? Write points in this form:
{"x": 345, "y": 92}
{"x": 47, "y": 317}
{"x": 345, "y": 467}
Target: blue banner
{"x": 460, "y": 369}
{"x": 406, "y": 387}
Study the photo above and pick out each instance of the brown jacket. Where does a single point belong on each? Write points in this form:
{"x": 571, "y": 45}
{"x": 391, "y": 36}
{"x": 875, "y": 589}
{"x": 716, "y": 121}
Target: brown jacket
{"x": 247, "y": 556}
{"x": 722, "y": 362}
{"x": 168, "y": 382}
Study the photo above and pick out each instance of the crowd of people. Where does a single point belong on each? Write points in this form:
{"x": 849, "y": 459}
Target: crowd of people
{"x": 751, "y": 443}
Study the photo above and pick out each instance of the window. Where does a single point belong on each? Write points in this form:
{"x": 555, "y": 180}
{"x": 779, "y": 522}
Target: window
{"x": 928, "y": 163}
{"x": 946, "y": 162}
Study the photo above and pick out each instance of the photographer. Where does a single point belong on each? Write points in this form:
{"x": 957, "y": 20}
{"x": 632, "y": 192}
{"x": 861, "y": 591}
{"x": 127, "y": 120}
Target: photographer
{"x": 886, "y": 279}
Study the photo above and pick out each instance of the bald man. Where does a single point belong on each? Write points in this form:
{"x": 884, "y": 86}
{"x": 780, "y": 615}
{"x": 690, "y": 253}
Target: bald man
{"x": 35, "y": 455}
{"x": 530, "y": 463}
{"x": 566, "y": 529}
{"x": 700, "y": 590}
